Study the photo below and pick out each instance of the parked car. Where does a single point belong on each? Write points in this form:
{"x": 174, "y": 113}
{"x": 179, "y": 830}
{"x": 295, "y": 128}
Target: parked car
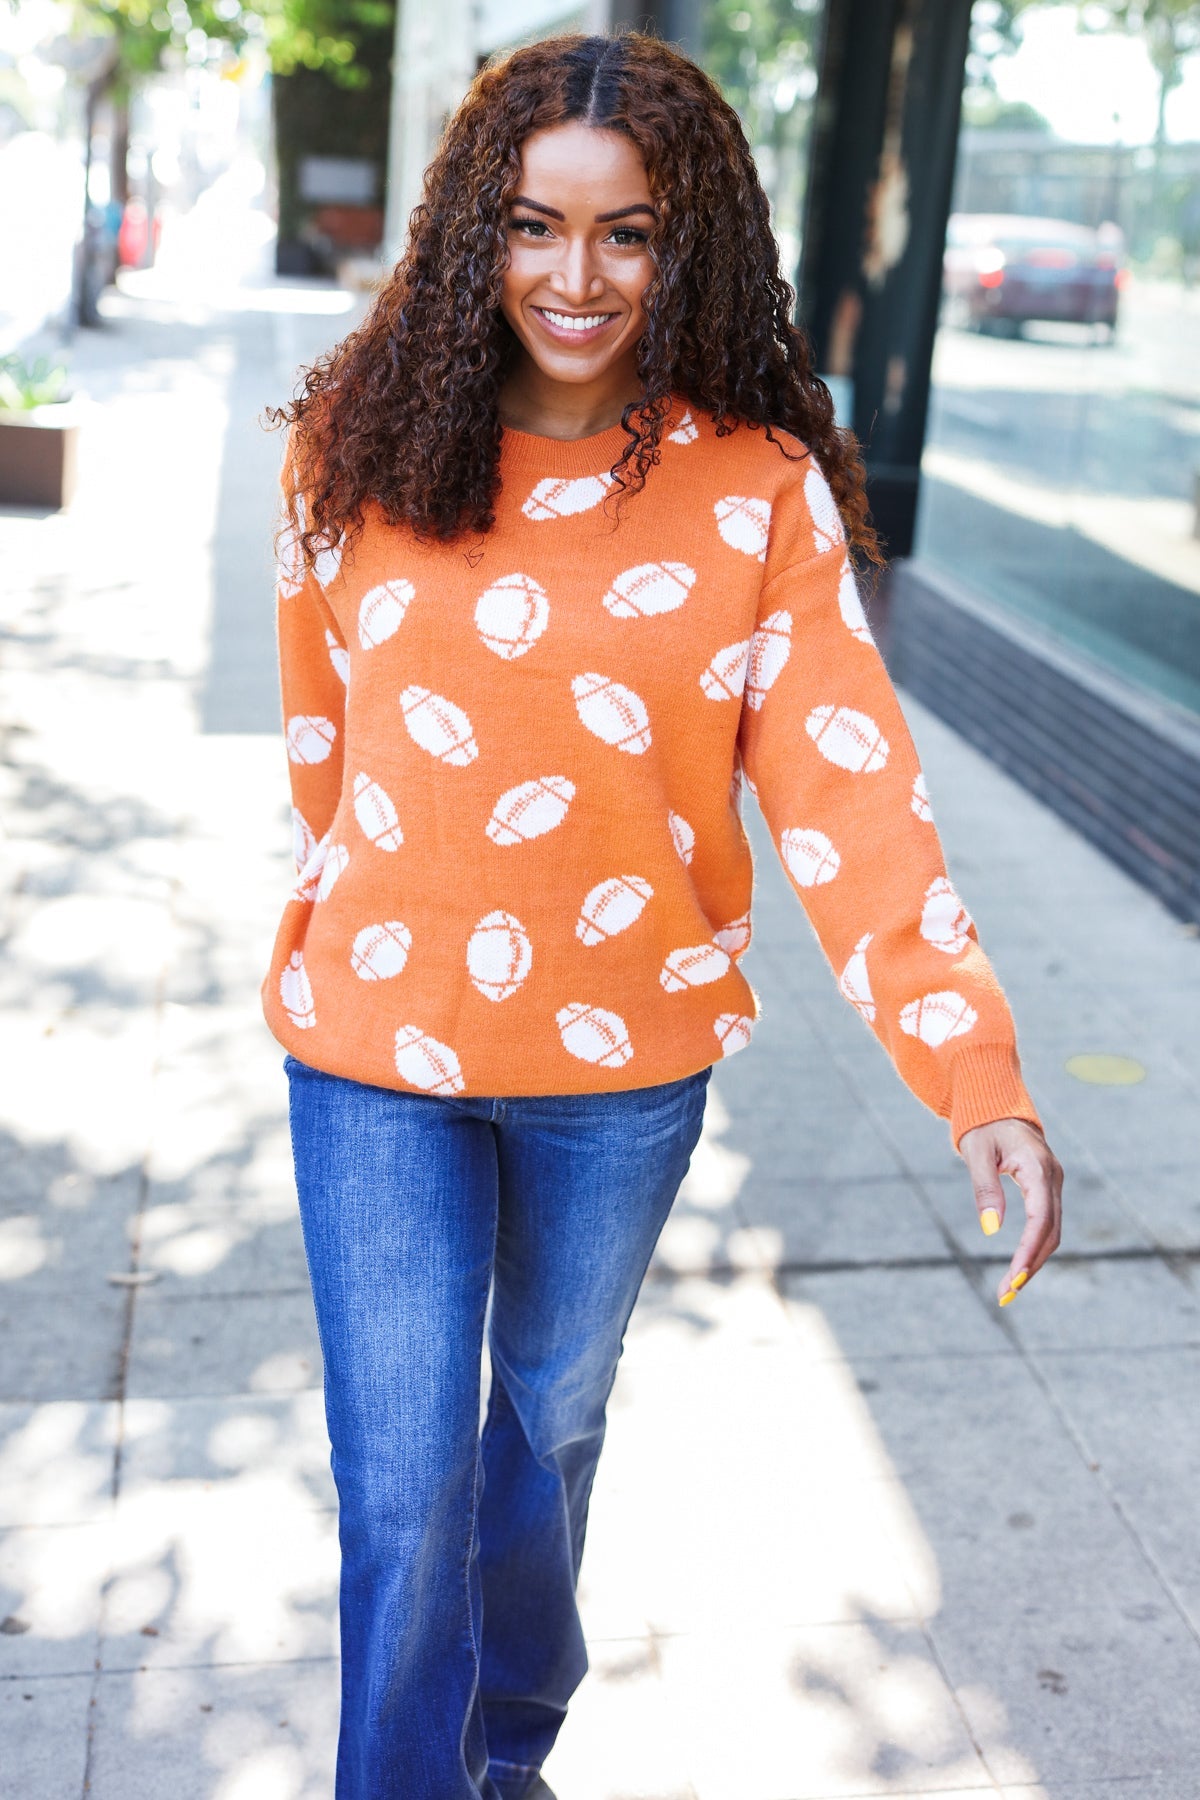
{"x": 1001, "y": 269}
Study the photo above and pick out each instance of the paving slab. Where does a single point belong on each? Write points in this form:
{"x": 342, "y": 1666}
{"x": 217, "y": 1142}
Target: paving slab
{"x": 745, "y": 1448}
{"x": 77, "y": 1085}
{"x": 1092, "y": 1693}
{"x": 1123, "y": 1304}
{"x": 911, "y": 1312}
{"x": 249, "y": 1732}
{"x": 1122, "y": 1787}
{"x": 1136, "y": 1416}
{"x": 226, "y": 1438}
{"x": 51, "y": 1582}
{"x": 240, "y": 1570}
{"x": 816, "y": 1713}
{"x": 58, "y": 1346}
{"x": 680, "y": 1315}
{"x": 1011, "y": 1507}
{"x": 803, "y": 1222}
{"x": 44, "y": 1727}
{"x": 223, "y": 1344}
{"x": 56, "y": 1462}
{"x": 617, "y": 1742}
{"x": 1165, "y": 1198}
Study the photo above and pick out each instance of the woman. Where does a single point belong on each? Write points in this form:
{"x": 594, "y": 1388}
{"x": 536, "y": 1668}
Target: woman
{"x": 569, "y": 514}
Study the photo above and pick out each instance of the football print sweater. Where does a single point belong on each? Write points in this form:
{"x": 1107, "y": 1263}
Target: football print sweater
{"x": 517, "y": 765}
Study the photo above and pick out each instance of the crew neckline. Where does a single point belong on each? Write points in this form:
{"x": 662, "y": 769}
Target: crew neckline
{"x": 592, "y": 455}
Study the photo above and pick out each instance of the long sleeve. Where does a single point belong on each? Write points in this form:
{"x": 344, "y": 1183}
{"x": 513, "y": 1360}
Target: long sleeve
{"x": 830, "y": 757}
{"x": 313, "y": 667}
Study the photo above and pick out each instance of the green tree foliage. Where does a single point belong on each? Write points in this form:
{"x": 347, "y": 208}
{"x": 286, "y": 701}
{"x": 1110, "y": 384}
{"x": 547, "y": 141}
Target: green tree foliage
{"x": 313, "y": 34}
{"x": 1170, "y": 30}
{"x": 763, "y": 53}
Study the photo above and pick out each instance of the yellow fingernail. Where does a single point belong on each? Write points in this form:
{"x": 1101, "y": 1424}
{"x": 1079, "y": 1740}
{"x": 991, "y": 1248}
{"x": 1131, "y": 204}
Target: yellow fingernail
{"x": 1005, "y": 1298}
{"x": 1019, "y": 1280}
{"x": 989, "y": 1218}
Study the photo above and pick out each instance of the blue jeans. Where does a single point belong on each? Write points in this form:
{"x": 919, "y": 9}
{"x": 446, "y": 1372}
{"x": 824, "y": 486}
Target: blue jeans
{"x": 461, "y": 1641}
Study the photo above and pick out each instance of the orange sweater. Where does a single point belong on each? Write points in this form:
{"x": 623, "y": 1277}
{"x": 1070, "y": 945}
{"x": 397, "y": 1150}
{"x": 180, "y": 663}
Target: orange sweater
{"x": 516, "y": 764}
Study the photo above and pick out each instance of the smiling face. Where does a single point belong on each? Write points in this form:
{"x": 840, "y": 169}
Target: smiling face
{"x": 579, "y": 264}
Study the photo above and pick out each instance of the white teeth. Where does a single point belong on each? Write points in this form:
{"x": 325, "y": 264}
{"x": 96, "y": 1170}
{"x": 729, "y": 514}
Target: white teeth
{"x": 568, "y": 322}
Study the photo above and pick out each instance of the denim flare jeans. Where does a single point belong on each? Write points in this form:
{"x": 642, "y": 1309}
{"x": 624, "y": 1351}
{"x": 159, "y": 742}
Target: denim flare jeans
{"x": 461, "y": 1641}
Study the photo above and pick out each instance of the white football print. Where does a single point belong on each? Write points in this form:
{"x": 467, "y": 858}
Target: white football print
{"x": 614, "y": 714}
{"x": 855, "y": 983}
{"x": 499, "y": 955}
{"x": 686, "y": 432}
{"x": 827, "y": 524}
{"x": 649, "y": 588}
{"x": 304, "y": 839}
{"x": 426, "y": 1064}
{"x": 735, "y": 937}
{"x": 339, "y": 656}
{"x": 693, "y": 966}
{"x": 295, "y": 990}
{"x": 809, "y": 857}
{"x": 530, "y": 809}
{"x": 945, "y": 921}
{"x": 336, "y": 859}
{"x": 851, "y": 608}
{"x": 935, "y": 1017}
{"x": 327, "y": 563}
{"x": 381, "y": 951}
{"x": 612, "y": 906}
{"x": 309, "y": 739}
{"x": 744, "y": 524}
{"x": 308, "y": 879}
{"x": 725, "y": 676}
{"x": 733, "y": 1032}
{"x": 848, "y": 738}
{"x": 437, "y": 725}
{"x": 594, "y": 1035}
{"x": 511, "y": 615}
{"x": 558, "y": 499}
{"x": 381, "y": 612}
{"x": 682, "y": 836}
{"x": 376, "y": 815}
{"x": 920, "y": 800}
{"x": 770, "y": 648}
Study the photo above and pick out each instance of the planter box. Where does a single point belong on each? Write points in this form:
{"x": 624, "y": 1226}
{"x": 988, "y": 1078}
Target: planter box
{"x": 38, "y": 451}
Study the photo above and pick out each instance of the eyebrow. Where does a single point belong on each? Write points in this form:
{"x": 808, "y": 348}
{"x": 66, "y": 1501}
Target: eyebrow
{"x": 551, "y": 212}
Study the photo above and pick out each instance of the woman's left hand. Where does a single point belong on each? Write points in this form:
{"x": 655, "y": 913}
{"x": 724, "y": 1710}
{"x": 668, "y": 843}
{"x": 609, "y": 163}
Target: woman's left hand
{"x": 1017, "y": 1148}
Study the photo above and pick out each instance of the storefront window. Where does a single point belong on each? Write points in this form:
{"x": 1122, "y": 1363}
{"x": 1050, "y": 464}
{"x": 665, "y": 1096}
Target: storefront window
{"x": 763, "y": 53}
{"x": 1061, "y": 477}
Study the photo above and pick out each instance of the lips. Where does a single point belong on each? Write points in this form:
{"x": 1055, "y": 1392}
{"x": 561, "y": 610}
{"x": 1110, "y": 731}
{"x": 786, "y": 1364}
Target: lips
{"x": 573, "y": 327}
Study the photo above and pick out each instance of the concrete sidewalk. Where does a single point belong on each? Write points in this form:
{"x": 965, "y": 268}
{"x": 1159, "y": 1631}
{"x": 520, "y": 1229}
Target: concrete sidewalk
{"x": 856, "y": 1531}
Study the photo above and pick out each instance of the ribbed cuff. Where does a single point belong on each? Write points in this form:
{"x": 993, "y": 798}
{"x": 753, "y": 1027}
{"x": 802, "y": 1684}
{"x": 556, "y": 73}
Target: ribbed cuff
{"x": 985, "y": 1085}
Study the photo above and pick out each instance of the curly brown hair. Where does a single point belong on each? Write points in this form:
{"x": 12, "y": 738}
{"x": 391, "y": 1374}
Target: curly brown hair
{"x": 404, "y": 411}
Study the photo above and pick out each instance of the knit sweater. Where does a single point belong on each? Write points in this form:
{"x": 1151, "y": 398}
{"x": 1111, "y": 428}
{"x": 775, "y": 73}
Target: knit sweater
{"x": 517, "y": 765}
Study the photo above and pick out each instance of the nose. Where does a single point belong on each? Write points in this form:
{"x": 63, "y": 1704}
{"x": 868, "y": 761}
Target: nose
{"x": 577, "y": 278}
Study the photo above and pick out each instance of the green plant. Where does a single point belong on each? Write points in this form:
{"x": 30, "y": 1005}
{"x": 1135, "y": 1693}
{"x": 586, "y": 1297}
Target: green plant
{"x": 26, "y": 385}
